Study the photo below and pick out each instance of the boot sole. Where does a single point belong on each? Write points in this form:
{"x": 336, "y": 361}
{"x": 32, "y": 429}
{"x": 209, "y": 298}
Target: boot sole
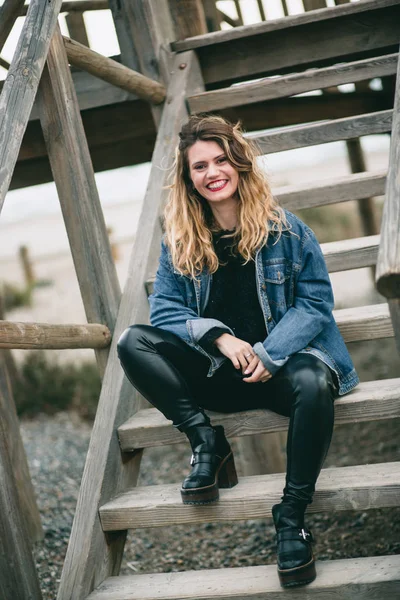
{"x": 298, "y": 576}
{"x": 225, "y": 477}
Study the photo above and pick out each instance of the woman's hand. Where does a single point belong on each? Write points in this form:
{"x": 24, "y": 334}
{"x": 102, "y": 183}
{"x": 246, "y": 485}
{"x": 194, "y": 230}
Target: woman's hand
{"x": 242, "y": 356}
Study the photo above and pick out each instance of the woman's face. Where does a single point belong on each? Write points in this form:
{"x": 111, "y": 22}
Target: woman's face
{"x": 211, "y": 173}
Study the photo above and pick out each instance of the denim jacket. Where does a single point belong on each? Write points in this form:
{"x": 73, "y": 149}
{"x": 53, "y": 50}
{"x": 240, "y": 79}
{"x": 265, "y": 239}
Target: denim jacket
{"x": 295, "y": 295}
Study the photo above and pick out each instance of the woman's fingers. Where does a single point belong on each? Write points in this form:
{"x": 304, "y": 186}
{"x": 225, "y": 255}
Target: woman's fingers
{"x": 260, "y": 373}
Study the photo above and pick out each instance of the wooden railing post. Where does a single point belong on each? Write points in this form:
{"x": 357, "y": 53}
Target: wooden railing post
{"x": 21, "y": 85}
{"x": 9, "y": 13}
{"x": 388, "y": 265}
{"x": 18, "y": 578}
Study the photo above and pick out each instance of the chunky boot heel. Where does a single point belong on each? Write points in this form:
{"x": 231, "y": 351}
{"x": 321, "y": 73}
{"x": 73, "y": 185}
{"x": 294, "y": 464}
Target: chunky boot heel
{"x": 227, "y": 476}
{"x": 212, "y": 464}
{"x": 296, "y": 564}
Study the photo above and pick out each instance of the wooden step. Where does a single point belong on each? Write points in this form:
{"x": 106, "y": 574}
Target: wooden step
{"x": 332, "y": 191}
{"x": 345, "y": 488}
{"x": 369, "y": 401}
{"x": 364, "y": 322}
{"x": 295, "y": 83}
{"x": 371, "y": 578}
{"x": 339, "y": 256}
{"x": 361, "y": 28}
{"x": 301, "y": 136}
{"x": 355, "y": 253}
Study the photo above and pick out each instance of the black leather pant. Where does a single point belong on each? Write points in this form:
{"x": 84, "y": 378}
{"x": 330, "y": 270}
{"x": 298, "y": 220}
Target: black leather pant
{"x": 172, "y": 376}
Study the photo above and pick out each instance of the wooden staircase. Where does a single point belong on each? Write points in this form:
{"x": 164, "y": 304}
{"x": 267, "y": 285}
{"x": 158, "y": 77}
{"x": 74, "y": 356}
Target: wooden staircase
{"x": 363, "y": 37}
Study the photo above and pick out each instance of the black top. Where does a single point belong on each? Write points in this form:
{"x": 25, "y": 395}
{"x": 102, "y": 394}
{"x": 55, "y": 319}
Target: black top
{"x": 233, "y": 296}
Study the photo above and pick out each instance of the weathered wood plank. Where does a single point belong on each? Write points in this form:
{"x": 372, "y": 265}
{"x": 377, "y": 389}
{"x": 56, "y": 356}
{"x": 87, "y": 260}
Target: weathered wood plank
{"x": 19, "y": 518}
{"x": 20, "y": 470}
{"x": 341, "y": 189}
{"x": 219, "y": 37}
{"x": 43, "y": 335}
{"x": 113, "y": 72}
{"x": 301, "y": 136}
{"x": 296, "y": 83}
{"x": 188, "y": 18}
{"x": 355, "y": 253}
{"x": 90, "y": 557}
{"x": 346, "y": 488}
{"x": 364, "y": 322}
{"x": 388, "y": 267}
{"x": 361, "y": 30}
{"x": 394, "y": 308}
{"x": 74, "y": 177}
{"x": 369, "y": 401}
{"x": 369, "y": 578}
{"x": 21, "y": 85}
{"x": 9, "y": 13}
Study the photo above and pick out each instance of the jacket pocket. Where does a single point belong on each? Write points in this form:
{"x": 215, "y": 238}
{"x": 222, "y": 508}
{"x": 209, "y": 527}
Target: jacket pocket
{"x": 278, "y": 279}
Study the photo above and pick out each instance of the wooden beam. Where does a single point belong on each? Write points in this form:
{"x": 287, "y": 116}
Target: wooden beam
{"x": 78, "y": 7}
{"x": 74, "y": 177}
{"x": 302, "y": 136}
{"x": 90, "y": 556}
{"x": 9, "y": 12}
{"x": 18, "y": 578}
{"x": 22, "y": 82}
{"x": 362, "y": 578}
{"x": 188, "y": 17}
{"x": 20, "y": 470}
{"x": 297, "y": 83}
{"x": 4, "y": 63}
{"x": 113, "y": 72}
{"x": 267, "y": 48}
{"x": 369, "y": 401}
{"x": 34, "y": 336}
{"x": 388, "y": 266}
{"x": 76, "y": 28}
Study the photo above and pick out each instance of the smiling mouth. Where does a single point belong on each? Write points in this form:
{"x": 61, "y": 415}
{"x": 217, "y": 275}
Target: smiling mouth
{"x": 217, "y": 185}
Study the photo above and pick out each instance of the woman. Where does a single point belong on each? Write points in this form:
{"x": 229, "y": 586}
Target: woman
{"x": 241, "y": 319}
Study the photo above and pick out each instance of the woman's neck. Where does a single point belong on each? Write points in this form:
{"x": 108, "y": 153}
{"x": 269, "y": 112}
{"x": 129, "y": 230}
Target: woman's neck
{"x": 225, "y": 216}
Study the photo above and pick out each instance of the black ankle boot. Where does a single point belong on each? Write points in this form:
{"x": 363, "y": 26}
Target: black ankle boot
{"x": 212, "y": 463}
{"x": 294, "y": 552}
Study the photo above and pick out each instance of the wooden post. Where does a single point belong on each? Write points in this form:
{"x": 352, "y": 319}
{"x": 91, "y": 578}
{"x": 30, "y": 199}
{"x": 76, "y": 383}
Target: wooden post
{"x": 18, "y": 578}
{"x": 9, "y": 13}
{"x": 27, "y": 266}
{"x": 21, "y": 85}
{"x": 91, "y": 556}
{"x": 29, "y": 512}
{"x": 145, "y": 30}
{"x": 212, "y": 14}
{"x": 388, "y": 265}
{"x": 76, "y": 186}
{"x": 188, "y": 17}
{"x": 261, "y": 9}
{"x": 366, "y": 207}
{"x": 76, "y": 28}
{"x": 4, "y": 63}
{"x": 113, "y": 72}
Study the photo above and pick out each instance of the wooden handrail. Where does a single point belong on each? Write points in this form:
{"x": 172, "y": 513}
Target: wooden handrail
{"x": 388, "y": 266}
{"x": 72, "y": 6}
{"x": 113, "y": 72}
{"x": 34, "y": 336}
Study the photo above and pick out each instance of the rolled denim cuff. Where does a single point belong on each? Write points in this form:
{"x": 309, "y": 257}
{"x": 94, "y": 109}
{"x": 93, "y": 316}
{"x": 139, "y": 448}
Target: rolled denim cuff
{"x": 208, "y": 339}
{"x": 197, "y": 328}
{"x": 272, "y": 365}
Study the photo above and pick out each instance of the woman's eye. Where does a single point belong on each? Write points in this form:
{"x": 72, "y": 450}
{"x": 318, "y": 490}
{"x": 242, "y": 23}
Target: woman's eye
{"x": 222, "y": 159}
{"x": 198, "y": 167}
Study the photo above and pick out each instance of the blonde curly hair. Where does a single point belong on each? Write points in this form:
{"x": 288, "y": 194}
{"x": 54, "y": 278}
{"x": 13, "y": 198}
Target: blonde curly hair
{"x": 189, "y": 222}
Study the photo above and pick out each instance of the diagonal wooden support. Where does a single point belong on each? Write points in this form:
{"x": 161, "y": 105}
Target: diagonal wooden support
{"x": 19, "y": 517}
{"x": 74, "y": 177}
{"x": 22, "y": 82}
{"x": 91, "y": 557}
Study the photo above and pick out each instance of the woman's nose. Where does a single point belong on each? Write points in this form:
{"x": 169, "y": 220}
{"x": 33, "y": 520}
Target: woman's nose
{"x": 212, "y": 170}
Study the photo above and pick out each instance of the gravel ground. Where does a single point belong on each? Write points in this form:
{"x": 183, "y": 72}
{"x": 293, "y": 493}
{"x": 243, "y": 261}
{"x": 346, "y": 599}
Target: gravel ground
{"x": 56, "y": 448}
